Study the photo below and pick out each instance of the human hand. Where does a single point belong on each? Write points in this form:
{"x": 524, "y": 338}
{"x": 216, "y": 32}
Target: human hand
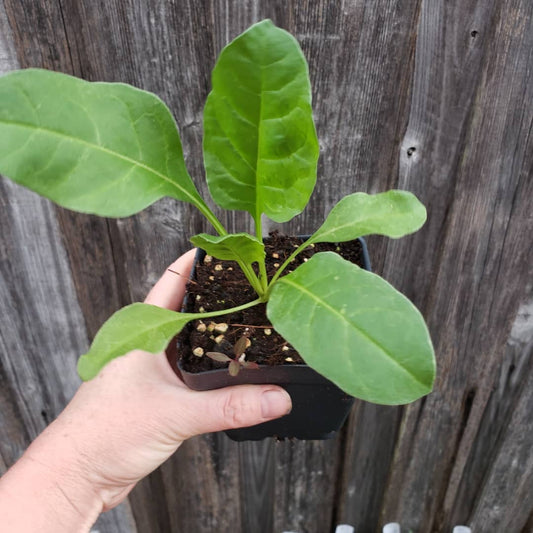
{"x": 129, "y": 419}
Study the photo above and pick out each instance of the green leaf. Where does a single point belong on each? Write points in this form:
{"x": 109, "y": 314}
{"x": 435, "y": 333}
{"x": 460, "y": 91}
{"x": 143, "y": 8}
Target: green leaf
{"x": 260, "y": 144}
{"x": 236, "y": 247}
{"x": 103, "y": 148}
{"x": 135, "y": 327}
{"x": 355, "y": 329}
{"x": 392, "y": 213}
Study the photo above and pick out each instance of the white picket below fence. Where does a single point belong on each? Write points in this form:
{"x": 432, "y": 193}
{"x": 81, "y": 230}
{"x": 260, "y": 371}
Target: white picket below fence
{"x": 393, "y": 527}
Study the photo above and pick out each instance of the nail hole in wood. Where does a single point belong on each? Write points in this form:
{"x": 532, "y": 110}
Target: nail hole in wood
{"x": 411, "y": 151}
{"x": 473, "y": 33}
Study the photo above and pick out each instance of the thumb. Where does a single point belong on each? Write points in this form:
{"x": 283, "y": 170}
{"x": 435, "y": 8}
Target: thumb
{"x": 238, "y": 406}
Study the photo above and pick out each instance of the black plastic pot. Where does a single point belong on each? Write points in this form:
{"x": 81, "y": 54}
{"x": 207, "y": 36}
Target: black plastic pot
{"x": 319, "y": 408}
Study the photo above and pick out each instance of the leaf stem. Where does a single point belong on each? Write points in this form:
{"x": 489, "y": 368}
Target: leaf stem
{"x": 300, "y": 248}
{"x": 263, "y": 276}
{"x": 204, "y": 209}
{"x": 252, "y": 278}
{"x": 259, "y": 287}
{"x": 225, "y": 311}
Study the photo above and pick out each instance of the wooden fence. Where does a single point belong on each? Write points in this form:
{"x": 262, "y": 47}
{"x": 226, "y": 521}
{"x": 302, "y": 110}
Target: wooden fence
{"x": 433, "y": 96}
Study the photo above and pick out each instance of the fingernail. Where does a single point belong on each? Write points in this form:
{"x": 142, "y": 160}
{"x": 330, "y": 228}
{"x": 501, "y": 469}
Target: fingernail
{"x": 275, "y": 403}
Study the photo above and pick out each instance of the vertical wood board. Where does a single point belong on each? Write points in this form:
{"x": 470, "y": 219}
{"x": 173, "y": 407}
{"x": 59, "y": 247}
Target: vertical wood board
{"x": 433, "y": 97}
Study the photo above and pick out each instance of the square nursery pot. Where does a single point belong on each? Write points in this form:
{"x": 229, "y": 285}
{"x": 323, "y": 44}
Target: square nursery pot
{"x": 319, "y": 408}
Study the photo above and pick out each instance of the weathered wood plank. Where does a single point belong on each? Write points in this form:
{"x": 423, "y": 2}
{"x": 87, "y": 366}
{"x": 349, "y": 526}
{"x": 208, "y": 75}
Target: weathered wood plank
{"x": 306, "y": 485}
{"x": 431, "y": 149}
{"x": 497, "y": 487}
{"x": 202, "y": 486}
{"x": 361, "y": 63}
{"x": 257, "y": 481}
{"x": 87, "y": 239}
{"x": 371, "y": 437}
{"x": 448, "y": 123}
{"x": 33, "y": 277}
{"x": 472, "y": 301}
{"x": 38, "y": 349}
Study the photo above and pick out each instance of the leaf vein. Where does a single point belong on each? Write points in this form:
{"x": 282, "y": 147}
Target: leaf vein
{"x": 321, "y": 301}
{"x": 108, "y": 151}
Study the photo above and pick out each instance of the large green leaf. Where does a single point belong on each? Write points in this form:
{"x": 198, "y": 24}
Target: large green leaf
{"x": 260, "y": 144}
{"x": 354, "y": 328}
{"x": 135, "y": 327}
{"x": 392, "y": 213}
{"x": 236, "y": 247}
{"x": 103, "y": 148}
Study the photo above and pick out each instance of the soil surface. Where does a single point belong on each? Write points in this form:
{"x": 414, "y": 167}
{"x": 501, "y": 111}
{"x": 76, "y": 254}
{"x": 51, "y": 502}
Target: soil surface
{"x": 218, "y": 285}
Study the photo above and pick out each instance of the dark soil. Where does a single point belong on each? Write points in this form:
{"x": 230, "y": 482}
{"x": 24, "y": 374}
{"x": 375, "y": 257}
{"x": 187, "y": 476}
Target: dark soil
{"x": 218, "y": 285}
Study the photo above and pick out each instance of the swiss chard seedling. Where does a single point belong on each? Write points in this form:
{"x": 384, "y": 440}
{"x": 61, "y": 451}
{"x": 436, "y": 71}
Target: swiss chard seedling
{"x": 111, "y": 149}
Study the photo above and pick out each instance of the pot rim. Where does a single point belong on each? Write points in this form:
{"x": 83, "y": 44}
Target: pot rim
{"x": 265, "y": 374}
{"x": 283, "y": 373}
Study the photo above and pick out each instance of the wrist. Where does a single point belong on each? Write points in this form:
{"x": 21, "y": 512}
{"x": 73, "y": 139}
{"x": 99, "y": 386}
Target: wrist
{"x": 48, "y": 489}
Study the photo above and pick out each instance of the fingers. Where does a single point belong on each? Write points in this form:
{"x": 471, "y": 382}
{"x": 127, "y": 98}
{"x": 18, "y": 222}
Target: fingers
{"x": 168, "y": 292}
{"x": 235, "y": 407}
{"x": 216, "y": 410}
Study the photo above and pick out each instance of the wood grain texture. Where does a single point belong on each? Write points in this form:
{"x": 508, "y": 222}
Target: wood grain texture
{"x": 501, "y": 456}
{"x": 483, "y": 240}
{"x": 86, "y": 238}
{"x": 38, "y": 348}
{"x": 306, "y": 491}
{"x": 257, "y": 480}
{"x": 434, "y": 97}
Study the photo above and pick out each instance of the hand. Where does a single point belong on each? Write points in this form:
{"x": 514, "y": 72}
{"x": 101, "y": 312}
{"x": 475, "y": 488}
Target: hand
{"x": 124, "y": 423}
